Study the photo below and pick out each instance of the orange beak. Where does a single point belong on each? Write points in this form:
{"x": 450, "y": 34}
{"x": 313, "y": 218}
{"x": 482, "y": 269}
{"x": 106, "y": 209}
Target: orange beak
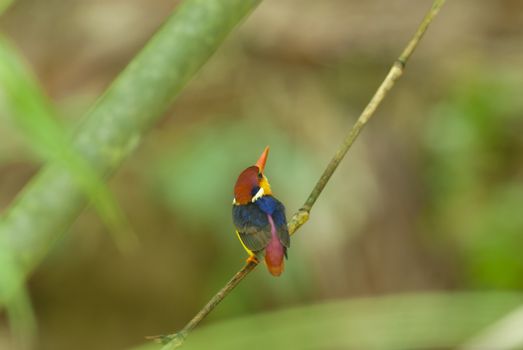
{"x": 263, "y": 159}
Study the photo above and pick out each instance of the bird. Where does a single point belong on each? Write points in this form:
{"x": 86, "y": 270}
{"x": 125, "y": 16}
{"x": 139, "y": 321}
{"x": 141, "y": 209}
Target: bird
{"x": 259, "y": 218}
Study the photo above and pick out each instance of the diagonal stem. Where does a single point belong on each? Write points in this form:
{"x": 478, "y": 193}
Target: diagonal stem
{"x": 394, "y": 74}
{"x": 301, "y": 217}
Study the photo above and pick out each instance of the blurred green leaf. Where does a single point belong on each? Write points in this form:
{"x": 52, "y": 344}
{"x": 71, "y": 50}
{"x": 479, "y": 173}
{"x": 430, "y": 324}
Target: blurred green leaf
{"x": 22, "y": 319}
{"x": 112, "y": 128}
{"x": 14, "y": 295}
{"x": 26, "y": 105}
{"x": 415, "y": 321}
{"x": 24, "y": 102}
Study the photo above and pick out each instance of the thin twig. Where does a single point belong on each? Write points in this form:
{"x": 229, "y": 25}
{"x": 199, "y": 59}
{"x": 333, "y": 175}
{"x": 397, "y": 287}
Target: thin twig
{"x": 395, "y": 72}
{"x": 301, "y": 217}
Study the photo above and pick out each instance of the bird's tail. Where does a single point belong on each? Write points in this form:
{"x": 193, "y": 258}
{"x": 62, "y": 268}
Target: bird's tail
{"x": 275, "y": 270}
{"x": 274, "y": 254}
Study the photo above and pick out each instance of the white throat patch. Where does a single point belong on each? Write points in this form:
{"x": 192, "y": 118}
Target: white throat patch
{"x": 258, "y": 195}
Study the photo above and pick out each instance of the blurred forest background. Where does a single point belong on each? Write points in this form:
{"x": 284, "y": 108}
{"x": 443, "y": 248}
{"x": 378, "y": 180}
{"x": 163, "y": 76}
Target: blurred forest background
{"x": 429, "y": 198}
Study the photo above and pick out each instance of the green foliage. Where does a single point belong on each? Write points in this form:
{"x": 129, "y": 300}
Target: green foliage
{"x": 22, "y": 100}
{"x": 29, "y": 109}
{"x": 111, "y": 130}
{"x": 476, "y": 200}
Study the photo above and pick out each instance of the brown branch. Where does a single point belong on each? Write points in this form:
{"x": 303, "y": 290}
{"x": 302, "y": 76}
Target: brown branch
{"x": 301, "y": 217}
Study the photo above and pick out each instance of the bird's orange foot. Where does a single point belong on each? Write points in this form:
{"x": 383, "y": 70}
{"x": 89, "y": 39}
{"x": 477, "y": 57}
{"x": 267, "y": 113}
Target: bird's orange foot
{"x": 252, "y": 259}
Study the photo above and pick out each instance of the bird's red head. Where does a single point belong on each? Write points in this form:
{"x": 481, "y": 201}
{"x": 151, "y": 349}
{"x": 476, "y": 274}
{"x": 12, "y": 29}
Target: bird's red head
{"x": 252, "y": 183}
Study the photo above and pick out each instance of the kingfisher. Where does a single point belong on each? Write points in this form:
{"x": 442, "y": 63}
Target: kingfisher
{"x": 259, "y": 218}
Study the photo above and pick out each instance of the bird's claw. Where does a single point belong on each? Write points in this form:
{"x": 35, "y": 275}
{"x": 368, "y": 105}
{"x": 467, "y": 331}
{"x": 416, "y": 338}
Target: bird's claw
{"x": 252, "y": 259}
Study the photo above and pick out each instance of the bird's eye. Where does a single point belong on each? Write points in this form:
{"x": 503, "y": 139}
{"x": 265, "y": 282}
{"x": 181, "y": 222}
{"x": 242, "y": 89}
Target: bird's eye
{"x": 260, "y": 176}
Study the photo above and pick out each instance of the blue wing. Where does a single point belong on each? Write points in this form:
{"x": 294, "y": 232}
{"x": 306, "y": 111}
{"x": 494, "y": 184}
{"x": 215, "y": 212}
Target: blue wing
{"x": 253, "y": 226}
{"x": 273, "y": 207}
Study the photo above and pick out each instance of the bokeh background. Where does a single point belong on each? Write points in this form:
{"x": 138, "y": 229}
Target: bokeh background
{"x": 429, "y": 198}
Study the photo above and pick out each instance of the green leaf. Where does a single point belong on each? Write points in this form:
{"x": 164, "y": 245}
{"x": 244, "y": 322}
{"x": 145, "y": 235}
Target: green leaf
{"x": 411, "y": 321}
{"x": 113, "y": 128}
{"x": 28, "y": 108}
